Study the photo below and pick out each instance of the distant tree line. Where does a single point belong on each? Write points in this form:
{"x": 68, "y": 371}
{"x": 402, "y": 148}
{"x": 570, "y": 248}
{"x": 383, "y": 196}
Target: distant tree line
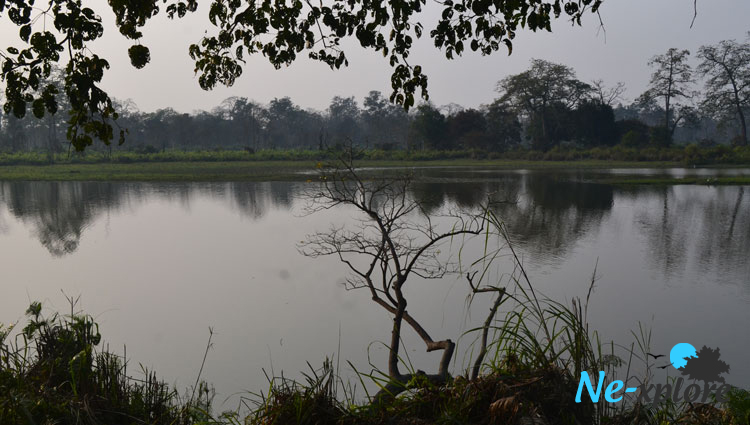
{"x": 542, "y": 108}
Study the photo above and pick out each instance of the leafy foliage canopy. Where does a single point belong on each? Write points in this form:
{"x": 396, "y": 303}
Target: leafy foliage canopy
{"x": 277, "y": 29}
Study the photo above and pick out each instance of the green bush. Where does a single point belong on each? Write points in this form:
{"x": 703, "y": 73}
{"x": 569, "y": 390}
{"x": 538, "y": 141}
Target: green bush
{"x": 634, "y": 138}
{"x": 692, "y": 155}
{"x": 660, "y": 137}
{"x": 739, "y": 406}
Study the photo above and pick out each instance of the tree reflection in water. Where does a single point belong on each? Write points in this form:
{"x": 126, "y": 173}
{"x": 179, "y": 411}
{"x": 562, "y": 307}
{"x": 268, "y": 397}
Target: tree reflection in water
{"x": 686, "y": 229}
{"x": 696, "y": 229}
{"x": 59, "y": 212}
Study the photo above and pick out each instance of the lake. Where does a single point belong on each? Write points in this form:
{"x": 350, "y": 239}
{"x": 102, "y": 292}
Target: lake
{"x": 157, "y": 264}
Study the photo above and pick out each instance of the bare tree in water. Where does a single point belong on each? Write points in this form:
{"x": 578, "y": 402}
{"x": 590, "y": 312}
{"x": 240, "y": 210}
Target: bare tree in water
{"x": 394, "y": 242}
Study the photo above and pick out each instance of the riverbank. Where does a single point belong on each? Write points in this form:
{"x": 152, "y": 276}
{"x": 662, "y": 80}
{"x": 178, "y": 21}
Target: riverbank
{"x": 161, "y": 171}
{"x": 59, "y": 373}
{"x": 301, "y": 170}
{"x": 689, "y": 155}
{"x": 672, "y": 181}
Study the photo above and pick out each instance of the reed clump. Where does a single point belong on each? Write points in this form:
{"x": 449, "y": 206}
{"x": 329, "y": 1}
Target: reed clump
{"x": 54, "y": 372}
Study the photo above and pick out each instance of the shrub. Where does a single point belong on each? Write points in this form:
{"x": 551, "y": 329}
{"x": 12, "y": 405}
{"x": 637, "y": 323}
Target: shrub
{"x": 634, "y": 138}
{"x": 660, "y": 137}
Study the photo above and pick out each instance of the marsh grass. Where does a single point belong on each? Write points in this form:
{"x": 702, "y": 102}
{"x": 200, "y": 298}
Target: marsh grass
{"x": 292, "y": 164}
{"x": 679, "y": 155}
{"x": 54, "y": 372}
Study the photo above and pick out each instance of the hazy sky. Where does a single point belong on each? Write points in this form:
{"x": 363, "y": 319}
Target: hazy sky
{"x": 635, "y": 31}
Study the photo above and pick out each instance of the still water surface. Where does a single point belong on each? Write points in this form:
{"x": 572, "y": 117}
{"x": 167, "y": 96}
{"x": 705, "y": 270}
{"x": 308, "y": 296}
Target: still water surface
{"x": 158, "y": 264}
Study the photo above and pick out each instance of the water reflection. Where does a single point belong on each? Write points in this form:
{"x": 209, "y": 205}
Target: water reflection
{"x": 695, "y": 229}
{"x": 686, "y": 228}
{"x": 545, "y": 215}
{"x": 227, "y": 251}
{"x": 60, "y": 212}
{"x": 253, "y": 200}
{"x": 552, "y": 215}
{"x": 3, "y": 223}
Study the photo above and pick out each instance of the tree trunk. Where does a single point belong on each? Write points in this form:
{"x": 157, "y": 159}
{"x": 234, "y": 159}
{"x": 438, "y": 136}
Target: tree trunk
{"x": 737, "y": 102}
{"x": 744, "y": 125}
{"x": 393, "y": 371}
{"x": 485, "y": 334}
{"x": 398, "y": 381}
{"x": 666, "y": 117}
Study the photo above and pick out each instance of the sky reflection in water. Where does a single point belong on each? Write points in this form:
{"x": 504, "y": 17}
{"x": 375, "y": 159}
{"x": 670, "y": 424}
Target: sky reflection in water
{"x": 157, "y": 264}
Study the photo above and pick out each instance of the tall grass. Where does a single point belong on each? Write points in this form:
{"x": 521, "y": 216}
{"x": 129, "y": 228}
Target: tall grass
{"x": 687, "y": 155}
{"x": 53, "y": 372}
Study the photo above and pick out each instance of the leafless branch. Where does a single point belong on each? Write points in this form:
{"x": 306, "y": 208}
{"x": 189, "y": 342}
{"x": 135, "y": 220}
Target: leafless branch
{"x": 394, "y": 240}
{"x": 695, "y": 13}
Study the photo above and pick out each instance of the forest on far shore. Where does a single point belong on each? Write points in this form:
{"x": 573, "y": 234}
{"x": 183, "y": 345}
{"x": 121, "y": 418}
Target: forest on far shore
{"x": 545, "y": 108}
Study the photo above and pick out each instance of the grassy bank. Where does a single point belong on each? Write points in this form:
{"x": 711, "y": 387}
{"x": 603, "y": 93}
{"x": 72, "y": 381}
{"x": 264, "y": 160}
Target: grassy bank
{"x": 54, "y": 371}
{"x": 683, "y": 155}
{"x": 268, "y": 170}
{"x": 661, "y": 181}
{"x": 290, "y": 164}
{"x": 155, "y": 171}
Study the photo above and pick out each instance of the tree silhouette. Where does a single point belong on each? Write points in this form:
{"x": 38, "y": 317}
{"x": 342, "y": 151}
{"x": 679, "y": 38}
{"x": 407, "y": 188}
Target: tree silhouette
{"x": 727, "y": 66}
{"x": 388, "y": 249}
{"x": 279, "y": 31}
{"x": 671, "y": 81}
{"x": 705, "y": 366}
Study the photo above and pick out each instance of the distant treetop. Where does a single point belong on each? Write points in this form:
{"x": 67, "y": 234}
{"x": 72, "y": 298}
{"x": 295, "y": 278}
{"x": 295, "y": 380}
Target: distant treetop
{"x": 279, "y": 30}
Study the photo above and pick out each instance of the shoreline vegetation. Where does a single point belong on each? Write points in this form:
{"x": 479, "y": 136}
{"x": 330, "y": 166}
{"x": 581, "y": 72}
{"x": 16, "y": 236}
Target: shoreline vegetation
{"x": 294, "y": 165}
{"x": 524, "y": 366}
{"x": 54, "y": 370}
